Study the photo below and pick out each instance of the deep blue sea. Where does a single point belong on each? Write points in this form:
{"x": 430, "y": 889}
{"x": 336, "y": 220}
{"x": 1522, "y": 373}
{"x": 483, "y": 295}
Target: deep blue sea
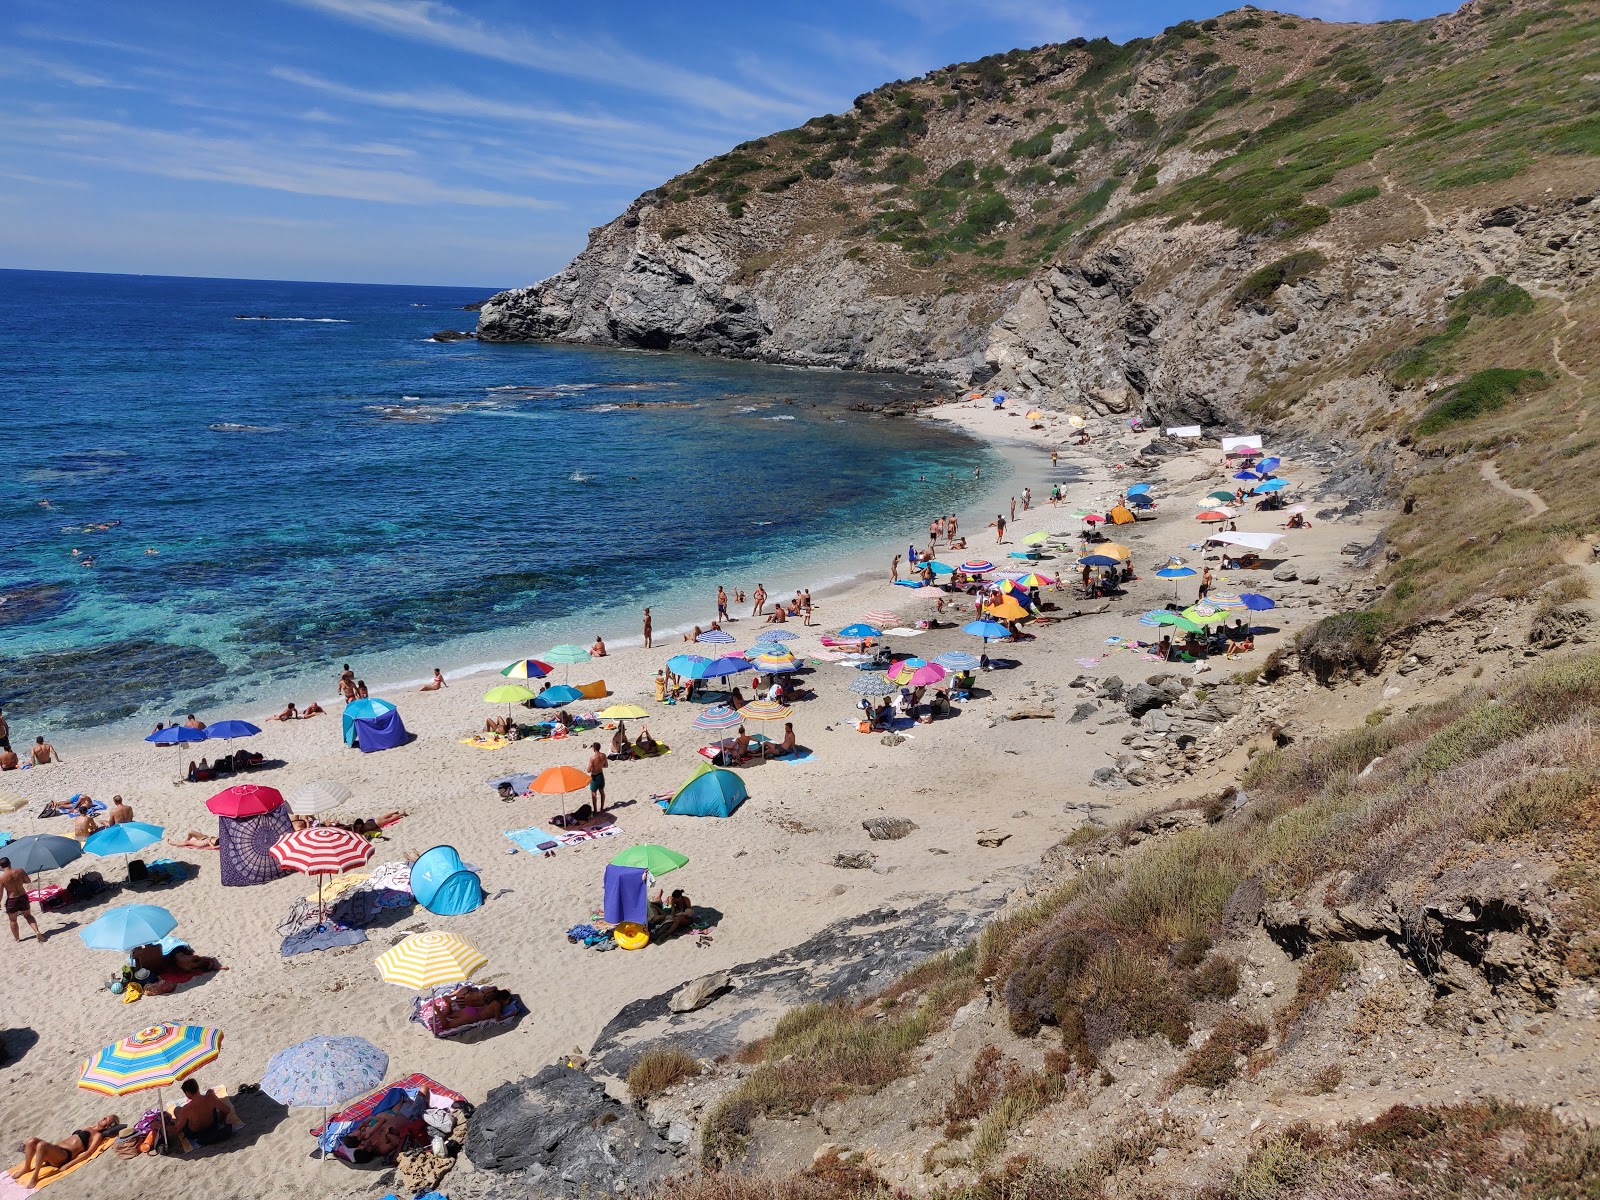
{"x": 215, "y": 491}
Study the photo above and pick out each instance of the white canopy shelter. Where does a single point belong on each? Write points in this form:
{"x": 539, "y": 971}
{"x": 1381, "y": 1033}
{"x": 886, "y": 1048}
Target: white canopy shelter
{"x": 1251, "y": 541}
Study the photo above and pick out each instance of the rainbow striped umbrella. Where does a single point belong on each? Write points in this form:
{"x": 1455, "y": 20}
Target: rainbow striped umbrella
{"x": 774, "y": 654}
{"x": 718, "y": 716}
{"x": 526, "y": 668}
{"x": 977, "y": 566}
{"x": 157, "y": 1057}
{"x": 427, "y": 960}
{"x": 765, "y": 710}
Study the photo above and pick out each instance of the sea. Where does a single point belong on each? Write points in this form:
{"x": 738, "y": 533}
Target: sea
{"x": 216, "y": 491}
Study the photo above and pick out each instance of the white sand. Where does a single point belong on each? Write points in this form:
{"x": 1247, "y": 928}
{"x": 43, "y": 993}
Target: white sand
{"x": 767, "y": 869}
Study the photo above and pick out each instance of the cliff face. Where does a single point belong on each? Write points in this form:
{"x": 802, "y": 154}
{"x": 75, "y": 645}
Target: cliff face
{"x": 1181, "y": 226}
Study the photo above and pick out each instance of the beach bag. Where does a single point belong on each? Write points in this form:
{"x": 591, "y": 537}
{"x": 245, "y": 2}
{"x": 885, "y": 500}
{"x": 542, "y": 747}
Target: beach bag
{"x": 137, "y": 871}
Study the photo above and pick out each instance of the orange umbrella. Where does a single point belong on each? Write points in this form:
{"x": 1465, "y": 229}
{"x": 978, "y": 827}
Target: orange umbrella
{"x": 558, "y": 781}
{"x": 1007, "y": 609}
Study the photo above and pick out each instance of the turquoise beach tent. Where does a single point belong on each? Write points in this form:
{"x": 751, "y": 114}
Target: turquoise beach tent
{"x": 443, "y": 884}
{"x": 369, "y": 725}
{"x": 708, "y": 792}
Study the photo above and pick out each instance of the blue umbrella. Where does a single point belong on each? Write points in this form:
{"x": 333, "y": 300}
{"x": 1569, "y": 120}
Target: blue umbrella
{"x": 1271, "y": 485}
{"x": 173, "y": 734}
{"x": 1268, "y": 465}
{"x": 731, "y": 665}
{"x": 776, "y": 635}
{"x": 719, "y": 637}
{"x": 1256, "y": 602}
{"x": 957, "y": 660}
{"x": 1176, "y": 572}
{"x": 1140, "y": 500}
{"x": 126, "y": 838}
{"x": 127, "y": 926}
{"x": 323, "y": 1071}
{"x": 231, "y": 729}
{"x": 1138, "y": 489}
{"x": 986, "y": 629}
{"x": 1245, "y": 475}
{"x": 1099, "y": 560}
{"x": 555, "y": 697}
{"x": 684, "y": 664}
{"x": 43, "y": 852}
{"x": 860, "y": 630}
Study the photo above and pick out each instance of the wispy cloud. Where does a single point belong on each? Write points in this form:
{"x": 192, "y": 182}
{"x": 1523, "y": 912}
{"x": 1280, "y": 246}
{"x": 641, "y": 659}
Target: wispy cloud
{"x": 304, "y": 170}
{"x": 47, "y": 181}
{"x": 439, "y": 24}
{"x": 22, "y": 64}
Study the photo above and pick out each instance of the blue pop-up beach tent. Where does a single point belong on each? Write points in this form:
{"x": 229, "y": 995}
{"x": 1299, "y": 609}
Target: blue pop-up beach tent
{"x": 708, "y": 792}
{"x": 373, "y": 724}
{"x": 443, "y": 884}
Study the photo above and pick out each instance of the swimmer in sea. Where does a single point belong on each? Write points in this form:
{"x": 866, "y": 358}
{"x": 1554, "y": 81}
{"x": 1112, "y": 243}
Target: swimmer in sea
{"x": 45, "y": 504}
{"x": 152, "y": 550}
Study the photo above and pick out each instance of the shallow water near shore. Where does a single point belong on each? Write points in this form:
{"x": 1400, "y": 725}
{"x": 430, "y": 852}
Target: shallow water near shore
{"x": 269, "y": 478}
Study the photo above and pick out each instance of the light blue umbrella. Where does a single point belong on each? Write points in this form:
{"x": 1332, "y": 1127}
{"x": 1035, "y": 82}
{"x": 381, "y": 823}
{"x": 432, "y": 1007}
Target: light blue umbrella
{"x": 957, "y": 660}
{"x": 860, "y": 630}
{"x": 1268, "y": 465}
{"x": 1176, "y": 572}
{"x": 323, "y": 1071}
{"x": 986, "y": 629}
{"x": 173, "y": 734}
{"x": 685, "y": 664}
{"x": 127, "y": 926}
{"x": 1271, "y": 485}
{"x": 556, "y": 696}
{"x": 127, "y": 838}
{"x": 775, "y": 635}
{"x": 231, "y": 729}
{"x": 939, "y": 568}
{"x": 1138, "y": 488}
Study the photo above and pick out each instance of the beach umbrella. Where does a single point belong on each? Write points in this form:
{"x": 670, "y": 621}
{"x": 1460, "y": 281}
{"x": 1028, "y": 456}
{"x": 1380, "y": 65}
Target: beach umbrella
{"x": 1215, "y": 514}
{"x": 986, "y": 629}
{"x": 230, "y": 730}
{"x": 939, "y": 568}
{"x": 567, "y": 655}
{"x": 717, "y": 637}
{"x": 42, "y": 852}
{"x": 774, "y": 656}
{"x": 508, "y": 693}
{"x": 1268, "y": 465}
{"x": 1218, "y": 495}
{"x": 559, "y": 781}
{"x": 430, "y": 960}
{"x": 1246, "y": 475}
{"x": 173, "y": 734}
{"x": 1204, "y": 616}
{"x": 1033, "y": 414}
{"x": 126, "y": 838}
{"x": 1271, "y": 485}
{"x": 321, "y": 850}
{"x": 318, "y": 797}
{"x": 1007, "y": 609}
{"x": 882, "y": 617}
{"x": 323, "y": 1071}
{"x": 1075, "y": 421}
{"x": 977, "y": 566}
{"x": 717, "y": 716}
{"x": 623, "y": 712}
{"x": 1224, "y": 600}
{"x": 776, "y": 666}
{"x": 127, "y": 926}
{"x": 957, "y": 660}
{"x": 875, "y": 685}
{"x": 1099, "y": 560}
{"x": 923, "y": 675}
{"x": 1094, "y": 519}
{"x": 1136, "y": 489}
{"x": 245, "y": 800}
{"x": 1175, "y": 574}
{"x": 765, "y": 710}
{"x": 1036, "y": 539}
{"x": 733, "y": 664}
{"x": 860, "y": 630}
{"x": 1295, "y": 508}
{"x": 556, "y": 696}
{"x": 11, "y": 802}
{"x": 775, "y": 635}
{"x": 1035, "y": 580}
{"x": 157, "y": 1058}
{"x": 1256, "y": 602}
{"x": 657, "y": 860}
{"x": 685, "y": 664}
{"x": 526, "y": 668}
{"x": 1177, "y": 620}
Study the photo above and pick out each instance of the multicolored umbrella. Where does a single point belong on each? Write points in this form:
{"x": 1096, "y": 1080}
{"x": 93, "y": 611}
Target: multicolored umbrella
{"x": 526, "y": 668}
{"x": 717, "y": 716}
{"x": 775, "y": 635}
{"x": 127, "y": 926}
{"x": 923, "y": 675}
{"x": 245, "y": 800}
{"x": 1177, "y": 620}
{"x": 623, "y": 712}
{"x": 957, "y": 660}
{"x": 1035, "y": 580}
{"x": 874, "y": 685}
{"x": 977, "y": 566}
{"x": 658, "y": 860}
{"x": 321, "y": 850}
{"x": 318, "y": 797}
{"x": 717, "y": 637}
{"x": 157, "y": 1057}
{"x": 558, "y": 781}
{"x": 428, "y": 960}
{"x": 776, "y": 656}
{"x": 765, "y": 710}
{"x": 323, "y": 1071}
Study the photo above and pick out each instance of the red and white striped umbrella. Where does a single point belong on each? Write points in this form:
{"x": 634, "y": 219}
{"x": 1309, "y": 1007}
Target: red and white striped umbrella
{"x": 883, "y": 618}
{"x": 321, "y": 850}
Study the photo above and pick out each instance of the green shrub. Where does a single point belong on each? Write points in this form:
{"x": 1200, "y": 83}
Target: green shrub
{"x": 672, "y": 233}
{"x": 1355, "y": 196}
{"x": 1142, "y": 123}
{"x": 900, "y": 168}
{"x": 783, "y": 182}
{"x": 1038, "y": 145}
{"x": 963, "y": 174}
{"x": 1343, "y": 644}
{"x": 1482, "y": 393}
{"x": 1259, "y": 287}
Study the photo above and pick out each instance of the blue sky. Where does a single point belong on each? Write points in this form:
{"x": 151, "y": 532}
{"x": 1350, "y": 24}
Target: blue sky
{"x": 418, "y": 141}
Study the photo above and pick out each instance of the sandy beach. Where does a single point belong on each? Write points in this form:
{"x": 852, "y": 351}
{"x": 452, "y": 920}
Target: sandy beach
{"x": 767, "y": 871}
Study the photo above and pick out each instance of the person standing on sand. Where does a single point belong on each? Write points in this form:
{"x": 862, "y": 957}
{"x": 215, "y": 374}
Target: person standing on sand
{"x": 347, "y": 684}
{"x": 597, "y": 777}
{"x": 14, "y": 883}
{"x": 951, "y": 526}
{"x": 722, "y": 603}
{"x": 1205, "y": 584}
{"x": 999, "y": 527}
{"x": 805, "y": 606}
{"x": 648, "y": 640}
{"x": 894, "y": 572}
{"x": 1013, "y": 508}
{"x": 1053, "y": 457}
{"x": 758, "y": 600}
{"x": 1027, "y": 498}
{"x": 5, "y": 731}
{"x": 43, "y": 752}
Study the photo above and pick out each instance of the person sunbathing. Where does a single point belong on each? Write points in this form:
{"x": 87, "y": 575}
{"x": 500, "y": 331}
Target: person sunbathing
{"x": 501, "y": 725}
{"x": 1243, "y": 646}
{"x": 435, "y": 683}
{"x": 384, "y": 1135}
{"x": 621, "y": 747}
{"x": 289, "y": 713}
{"x": 369, "y": 827}
{"x": 677, "y": 915}
{"x": 75, "y": 1147}
{"x": 470, "y": 1006}
{"x": 778, "y": 617}
{"x": 694, "y": 634}
{"x": 195, "y": 840}
{"x": 645, "y": 744}
{"x": 783, "y": 748}
{"x": 312, "y": 710}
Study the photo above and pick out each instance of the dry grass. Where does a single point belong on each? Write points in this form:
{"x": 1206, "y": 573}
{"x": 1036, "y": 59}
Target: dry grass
{"x": 658, "y": 1069}
{"x": 1216, "y": 1063}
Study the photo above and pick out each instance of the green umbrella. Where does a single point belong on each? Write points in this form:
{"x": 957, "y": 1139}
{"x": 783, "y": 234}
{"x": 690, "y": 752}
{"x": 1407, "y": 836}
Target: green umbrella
{"x": 1219, "y": 496}
{"x": 1181, "y": 622}
{"x": 1204, "y": 617}
{"x": 1035, "y": 539}
{"x": 566, "y": 655}
{"x": 508, "y": 693}
{"x": 658, "y": 860}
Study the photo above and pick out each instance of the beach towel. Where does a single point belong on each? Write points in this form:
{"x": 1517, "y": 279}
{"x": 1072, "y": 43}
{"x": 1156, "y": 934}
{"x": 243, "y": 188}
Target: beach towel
{"x": 799, "y": 756}
{"x": 533, "y": 839}
{"x": 323, "y": 937}
{"x": 10, "y": 1187}
{"x": 381, "y": 1100}
{"x": 577, "y": 837}
{"x": 486, "y": 741}
{"x": 910, "y": 583}
{"x": 425, "y": 1011}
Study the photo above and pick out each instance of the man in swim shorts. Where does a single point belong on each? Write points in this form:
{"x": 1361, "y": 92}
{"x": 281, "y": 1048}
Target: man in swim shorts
{"x": 597, "y": 777}
{"x": 14, "y": 883}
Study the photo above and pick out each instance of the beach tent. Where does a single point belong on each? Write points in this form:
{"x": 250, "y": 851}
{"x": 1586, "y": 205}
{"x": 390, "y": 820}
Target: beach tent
{"x": 443, "y": 884}
{"x": 1251, "y": 541}
{"x": 1121, "y": 515}
{"x": 627, "y": 895}
{"x": 373, "y": 724}
{"x": 245, "y": 845}
{"x": 1248, "y": 446}
{"x": 708, "y": 792}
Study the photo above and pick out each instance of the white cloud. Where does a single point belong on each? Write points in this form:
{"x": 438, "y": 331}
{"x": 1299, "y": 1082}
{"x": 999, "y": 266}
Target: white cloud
{"x": 439, "y": 24}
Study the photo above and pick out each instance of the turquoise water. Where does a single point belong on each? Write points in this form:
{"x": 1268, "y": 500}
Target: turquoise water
{"x": 326, "y": 484}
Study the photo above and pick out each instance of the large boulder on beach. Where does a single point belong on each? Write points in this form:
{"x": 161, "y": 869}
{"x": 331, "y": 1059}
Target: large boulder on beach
{"x": 566, "y": 1136}
{"x": 1141, "y": 698}
{"x": 888, "y": 829}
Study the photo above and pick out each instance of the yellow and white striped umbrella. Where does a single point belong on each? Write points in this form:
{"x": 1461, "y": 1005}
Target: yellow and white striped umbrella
{"x": 10, "y": 802}
{"x": 426, "y": 960}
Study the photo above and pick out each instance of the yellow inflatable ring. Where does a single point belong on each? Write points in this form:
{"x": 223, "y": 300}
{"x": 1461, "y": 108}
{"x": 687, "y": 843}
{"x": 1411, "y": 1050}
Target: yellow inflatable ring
{"x": 630, "y": 935}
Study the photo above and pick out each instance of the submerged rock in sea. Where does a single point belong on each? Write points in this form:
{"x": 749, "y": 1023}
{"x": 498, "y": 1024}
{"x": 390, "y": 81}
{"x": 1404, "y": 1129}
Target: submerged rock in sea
{"x": 453, "y": 335}
{"x": 565, "y": 1136}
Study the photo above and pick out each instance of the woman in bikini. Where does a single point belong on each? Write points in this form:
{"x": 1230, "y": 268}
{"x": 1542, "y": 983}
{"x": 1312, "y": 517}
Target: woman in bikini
{"x": 469, "y": 1006}
{"x": 75, "y": 1147}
